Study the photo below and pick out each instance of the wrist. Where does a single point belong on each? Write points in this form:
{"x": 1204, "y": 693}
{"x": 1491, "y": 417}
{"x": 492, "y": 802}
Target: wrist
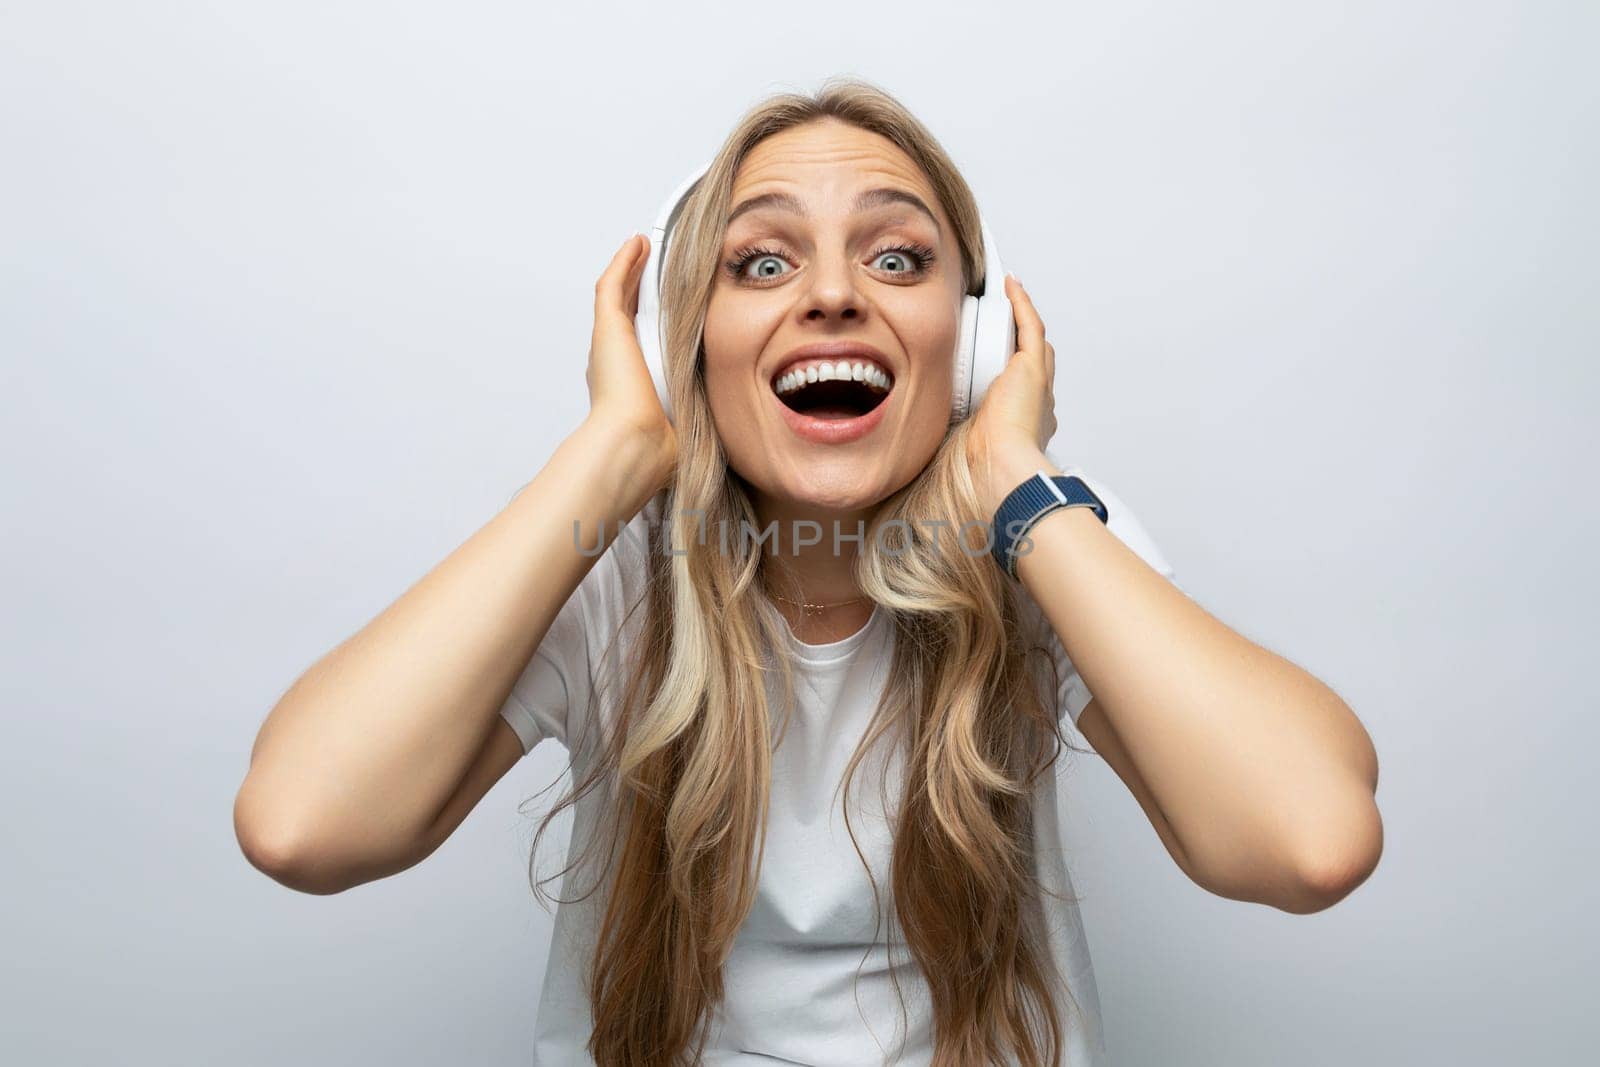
{"x": 1000, "y": 470}
{"x": 1035, "y": 502}
{"x": 632, "y": 464}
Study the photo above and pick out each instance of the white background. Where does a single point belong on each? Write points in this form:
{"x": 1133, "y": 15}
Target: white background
{"x": 293, "y": 296}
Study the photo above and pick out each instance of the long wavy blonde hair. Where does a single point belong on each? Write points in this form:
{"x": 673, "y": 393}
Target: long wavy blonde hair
{"x": 687, "y": 760}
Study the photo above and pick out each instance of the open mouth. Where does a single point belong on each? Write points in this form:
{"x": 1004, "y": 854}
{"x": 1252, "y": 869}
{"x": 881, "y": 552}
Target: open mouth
{"x": 844, "y": 393}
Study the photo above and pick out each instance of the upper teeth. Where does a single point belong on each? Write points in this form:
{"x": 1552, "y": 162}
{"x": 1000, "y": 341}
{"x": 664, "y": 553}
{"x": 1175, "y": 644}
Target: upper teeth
{"x": 834, "y": 370}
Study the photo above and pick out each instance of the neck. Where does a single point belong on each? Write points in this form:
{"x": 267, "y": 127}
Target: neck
{"x": 819, "y": 572}
{"x": 815, "y": 573}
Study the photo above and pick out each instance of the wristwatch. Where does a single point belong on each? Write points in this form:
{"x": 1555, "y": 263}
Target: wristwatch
{"x": 1032, "y": 501}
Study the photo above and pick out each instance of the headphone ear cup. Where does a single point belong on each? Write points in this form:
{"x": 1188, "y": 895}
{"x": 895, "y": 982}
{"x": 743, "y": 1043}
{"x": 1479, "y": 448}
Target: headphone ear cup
{"x": 961, "y": 377}
{"x": 995, "y": 331}
{"x": 647, "y": 321}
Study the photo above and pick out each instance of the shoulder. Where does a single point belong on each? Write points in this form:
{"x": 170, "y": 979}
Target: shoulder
{"x": 611, "y": 599}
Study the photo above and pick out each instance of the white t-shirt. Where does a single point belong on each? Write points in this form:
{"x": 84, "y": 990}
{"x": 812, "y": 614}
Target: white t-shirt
{"x": 794, "y": 994}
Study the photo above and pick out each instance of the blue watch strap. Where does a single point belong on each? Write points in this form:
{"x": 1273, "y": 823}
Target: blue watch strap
{"x": 1032, "y": 501}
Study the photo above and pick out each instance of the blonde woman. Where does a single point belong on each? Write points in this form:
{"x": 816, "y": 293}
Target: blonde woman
{"x": 814, "y": 795}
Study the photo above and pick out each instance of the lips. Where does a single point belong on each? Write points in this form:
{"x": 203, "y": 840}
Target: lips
{"x": 829, "y": 424}
{"x": 824, "y": 430}
{"x": 833, "y": 392}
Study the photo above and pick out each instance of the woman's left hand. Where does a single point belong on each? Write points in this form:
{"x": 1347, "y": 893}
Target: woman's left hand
{"x": 1017, "y": 416}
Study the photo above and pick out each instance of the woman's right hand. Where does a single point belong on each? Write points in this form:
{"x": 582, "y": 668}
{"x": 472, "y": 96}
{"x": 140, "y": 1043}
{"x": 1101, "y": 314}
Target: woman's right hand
{"x": 622, "y": 395}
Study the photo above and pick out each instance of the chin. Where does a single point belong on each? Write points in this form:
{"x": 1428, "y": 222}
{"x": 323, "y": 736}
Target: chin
{"x": 844, "y": 488}
{"x": 841, "y": 500}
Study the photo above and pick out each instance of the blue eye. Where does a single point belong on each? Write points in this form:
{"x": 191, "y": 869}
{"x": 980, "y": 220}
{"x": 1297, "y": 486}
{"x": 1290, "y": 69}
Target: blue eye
{"x": 920, "y": 255}
{"x": 745, "y": 256}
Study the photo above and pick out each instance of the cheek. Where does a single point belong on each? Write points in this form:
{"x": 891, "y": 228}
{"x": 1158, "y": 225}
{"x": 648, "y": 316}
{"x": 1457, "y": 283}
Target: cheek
{"x": 927, "y": 320}
{"x": 733, "y": 339}
{"x": 931, "y": 342}
{"x": 732, "y": 346}
{"x": 930, "y": 418}
{"x": 728, "y": 395}
{"x": 933, "y": 347}
{"x": 724, "y": 350}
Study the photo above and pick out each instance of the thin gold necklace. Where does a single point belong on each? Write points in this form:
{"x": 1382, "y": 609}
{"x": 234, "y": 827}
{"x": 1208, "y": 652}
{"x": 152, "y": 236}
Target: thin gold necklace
{"x": 807, "y": 606}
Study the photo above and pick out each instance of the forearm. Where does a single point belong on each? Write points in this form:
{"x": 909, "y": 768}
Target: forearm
{"x": 363, "y": 751}
{"x": 1265, "y": 775}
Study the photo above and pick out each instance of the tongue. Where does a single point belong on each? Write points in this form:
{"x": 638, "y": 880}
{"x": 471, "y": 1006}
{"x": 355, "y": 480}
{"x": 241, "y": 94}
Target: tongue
{"x": 832, "y": 412}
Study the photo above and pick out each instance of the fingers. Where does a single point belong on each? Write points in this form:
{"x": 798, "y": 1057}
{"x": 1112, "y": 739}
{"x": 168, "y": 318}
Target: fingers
{"x": 1030, "y": 327}
{"x": 621, "y": 259}
{"x": 616, "y": 294}
{"x": 1031, "y": 340}
{"x": 631, "y": 284}
{"x": 610, "y": 290}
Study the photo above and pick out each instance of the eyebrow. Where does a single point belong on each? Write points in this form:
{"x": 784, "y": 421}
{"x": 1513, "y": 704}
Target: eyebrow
{"x": 866, "y": 201}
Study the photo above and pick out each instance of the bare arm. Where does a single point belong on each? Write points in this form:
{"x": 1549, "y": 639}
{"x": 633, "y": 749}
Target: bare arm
{"x": 1258, "y": 777}
{"x": 354, "y": 768}
{"x": 361, "y": 754}
{"x": 1265, "y": 778}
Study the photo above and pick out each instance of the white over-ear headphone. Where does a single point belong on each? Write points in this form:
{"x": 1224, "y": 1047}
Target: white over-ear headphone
{"x": 987, "y": 339}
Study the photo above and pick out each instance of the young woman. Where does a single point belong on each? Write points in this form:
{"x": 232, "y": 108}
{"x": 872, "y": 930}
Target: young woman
{"x": 815, "y": 808}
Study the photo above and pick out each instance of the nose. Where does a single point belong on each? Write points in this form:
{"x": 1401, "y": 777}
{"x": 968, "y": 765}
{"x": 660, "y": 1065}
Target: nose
{"x": 833, "y": 293}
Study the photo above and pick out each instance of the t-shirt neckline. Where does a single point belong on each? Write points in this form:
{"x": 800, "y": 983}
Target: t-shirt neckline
{"x": 832, "y": 650}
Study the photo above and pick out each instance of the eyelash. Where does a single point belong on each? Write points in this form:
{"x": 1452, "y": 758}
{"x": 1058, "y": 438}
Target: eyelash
{"x": 741, "y": 259}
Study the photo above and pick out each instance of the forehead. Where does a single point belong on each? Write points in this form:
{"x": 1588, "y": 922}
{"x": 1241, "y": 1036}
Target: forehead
{"x": 826, "y": 163}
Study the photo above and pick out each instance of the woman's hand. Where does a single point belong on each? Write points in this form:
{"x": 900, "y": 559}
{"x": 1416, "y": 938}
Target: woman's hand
{"x": 622, "y": 395}
{"x": 1017, "y": 416}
